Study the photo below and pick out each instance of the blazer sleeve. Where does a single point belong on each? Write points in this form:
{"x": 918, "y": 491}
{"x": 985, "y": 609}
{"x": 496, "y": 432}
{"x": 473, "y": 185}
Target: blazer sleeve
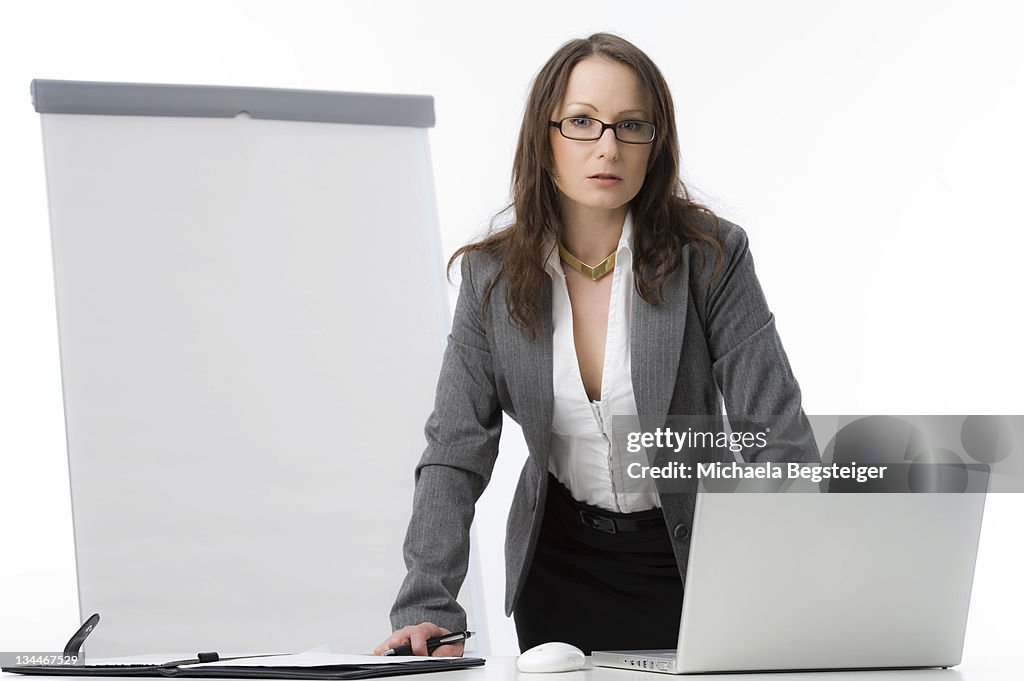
{"x": 462, "y": 436}
{"x": 748, "y": 361}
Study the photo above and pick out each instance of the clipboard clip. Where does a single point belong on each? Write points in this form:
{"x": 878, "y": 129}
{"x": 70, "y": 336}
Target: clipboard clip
{"x": 74, "y": 644}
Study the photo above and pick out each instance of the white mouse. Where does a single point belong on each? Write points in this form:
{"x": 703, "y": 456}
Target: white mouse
{"x": 551, "y": 657}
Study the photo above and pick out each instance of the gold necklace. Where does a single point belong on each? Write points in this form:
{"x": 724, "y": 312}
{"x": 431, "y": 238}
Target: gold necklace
{"x": 595, "y": 272}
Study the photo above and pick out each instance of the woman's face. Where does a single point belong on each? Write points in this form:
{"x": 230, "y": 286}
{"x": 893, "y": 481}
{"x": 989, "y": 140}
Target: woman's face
{"x": 602, "y": 174}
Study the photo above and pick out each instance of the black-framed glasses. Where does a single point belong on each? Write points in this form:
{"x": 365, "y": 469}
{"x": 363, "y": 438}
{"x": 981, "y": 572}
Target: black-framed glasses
{"x": 584, "y": 129}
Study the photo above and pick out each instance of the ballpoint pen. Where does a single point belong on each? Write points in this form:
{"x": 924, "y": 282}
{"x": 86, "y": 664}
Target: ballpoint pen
{"x": 432, "y": 643}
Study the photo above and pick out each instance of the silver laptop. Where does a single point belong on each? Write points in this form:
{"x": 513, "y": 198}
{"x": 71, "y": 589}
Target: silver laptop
{"x": 822, "y": 581}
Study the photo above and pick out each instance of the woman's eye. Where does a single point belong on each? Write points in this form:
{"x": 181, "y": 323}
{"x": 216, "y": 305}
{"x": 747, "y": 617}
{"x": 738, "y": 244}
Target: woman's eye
{"x": 629, "y": 125}
{"x": 580, "y": 122}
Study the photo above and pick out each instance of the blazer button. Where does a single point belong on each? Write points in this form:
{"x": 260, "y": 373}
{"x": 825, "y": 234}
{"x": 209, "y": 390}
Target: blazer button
{"x": 681, "y": 531}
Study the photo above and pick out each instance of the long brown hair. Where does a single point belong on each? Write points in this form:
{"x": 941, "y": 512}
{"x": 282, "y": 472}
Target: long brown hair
{"x": 666, "y": 218}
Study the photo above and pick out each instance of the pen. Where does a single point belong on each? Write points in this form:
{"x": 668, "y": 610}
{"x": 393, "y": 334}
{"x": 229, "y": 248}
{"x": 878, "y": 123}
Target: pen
{"x": 432, "y": 643}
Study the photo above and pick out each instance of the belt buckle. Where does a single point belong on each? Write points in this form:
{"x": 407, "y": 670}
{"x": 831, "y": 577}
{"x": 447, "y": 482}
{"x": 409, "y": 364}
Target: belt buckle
{"x": 597, "y": 522}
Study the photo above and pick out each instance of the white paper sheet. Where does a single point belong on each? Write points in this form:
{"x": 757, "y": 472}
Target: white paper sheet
{"x": 313, "y": 659}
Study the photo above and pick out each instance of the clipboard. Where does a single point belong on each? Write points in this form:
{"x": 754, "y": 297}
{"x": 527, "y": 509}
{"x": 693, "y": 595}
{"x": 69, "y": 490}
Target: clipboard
{"x": 211, "y": 665}
{"x": 349, "y": 671}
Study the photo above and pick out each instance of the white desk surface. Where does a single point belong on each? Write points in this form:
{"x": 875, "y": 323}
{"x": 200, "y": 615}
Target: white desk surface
{"x": 504, "y": 669}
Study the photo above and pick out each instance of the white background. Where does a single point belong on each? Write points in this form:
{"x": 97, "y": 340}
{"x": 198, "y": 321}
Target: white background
{"x": 873, "y": 151}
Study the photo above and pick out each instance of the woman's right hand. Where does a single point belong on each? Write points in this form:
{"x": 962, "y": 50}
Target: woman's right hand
{"x": 417, "y": 634}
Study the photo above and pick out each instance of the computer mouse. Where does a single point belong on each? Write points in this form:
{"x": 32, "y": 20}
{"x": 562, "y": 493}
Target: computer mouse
{"x": 551, "y": 657}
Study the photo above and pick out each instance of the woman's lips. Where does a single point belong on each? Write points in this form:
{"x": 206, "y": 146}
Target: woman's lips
{"x": 604, "y": 180}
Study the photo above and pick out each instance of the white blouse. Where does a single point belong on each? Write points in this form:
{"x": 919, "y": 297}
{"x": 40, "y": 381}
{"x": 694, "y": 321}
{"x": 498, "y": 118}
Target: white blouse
{"x": 582, "y": 456}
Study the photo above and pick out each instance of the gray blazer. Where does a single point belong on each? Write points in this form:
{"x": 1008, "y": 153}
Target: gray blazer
{"x": 697, "y": 342}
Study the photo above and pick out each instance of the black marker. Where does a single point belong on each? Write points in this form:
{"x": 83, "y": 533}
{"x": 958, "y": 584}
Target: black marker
{"x": 432, "y": 643}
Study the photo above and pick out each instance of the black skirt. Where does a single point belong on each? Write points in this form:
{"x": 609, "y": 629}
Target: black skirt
{"x": 599, "y": 590}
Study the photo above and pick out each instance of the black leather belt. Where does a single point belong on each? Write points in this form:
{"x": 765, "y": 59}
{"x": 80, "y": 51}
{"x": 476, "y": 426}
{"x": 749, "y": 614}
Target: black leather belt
{"x": 612, "y": 525}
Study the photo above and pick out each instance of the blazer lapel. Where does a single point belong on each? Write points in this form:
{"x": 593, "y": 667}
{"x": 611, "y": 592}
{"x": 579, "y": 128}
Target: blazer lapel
{"x": 530, "y": 368}
{"x": 657, "y": 340}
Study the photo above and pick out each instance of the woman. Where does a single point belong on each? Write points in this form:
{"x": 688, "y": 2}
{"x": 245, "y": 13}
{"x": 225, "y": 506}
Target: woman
{"x": 668, "y": 314}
